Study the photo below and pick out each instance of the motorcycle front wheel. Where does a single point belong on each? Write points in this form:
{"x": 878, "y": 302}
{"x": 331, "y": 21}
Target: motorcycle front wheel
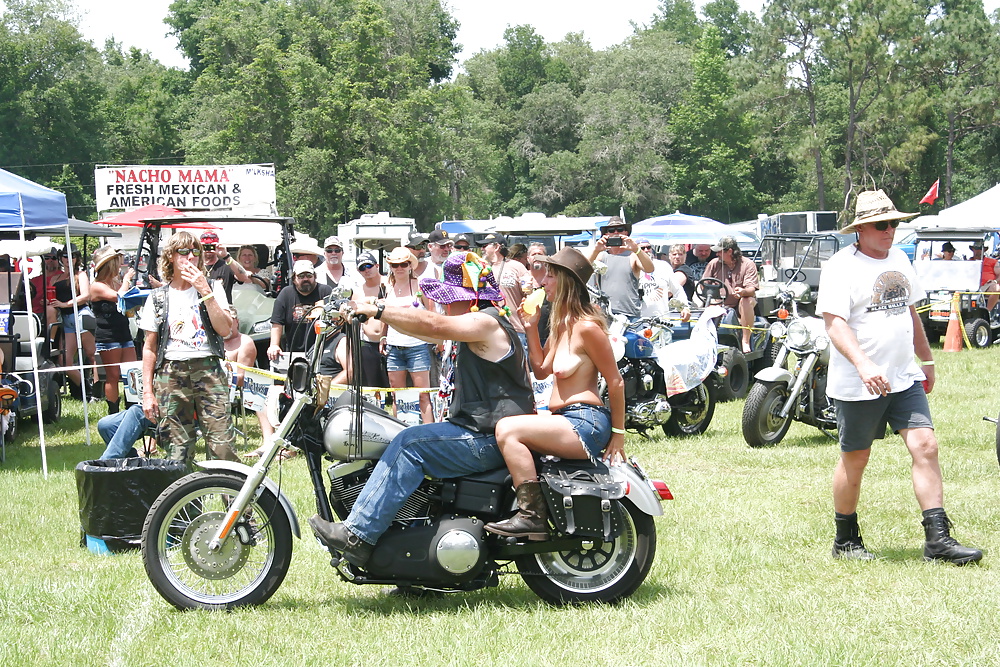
{"x": 762, "y": 425}
{"x": 692, "y": 411}
{"x": 601, "y": 571}
{"x": 248, "y": 568}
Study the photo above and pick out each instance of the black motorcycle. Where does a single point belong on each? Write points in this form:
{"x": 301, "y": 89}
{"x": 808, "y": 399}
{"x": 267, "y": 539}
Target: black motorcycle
{"x": 221, "y": 537}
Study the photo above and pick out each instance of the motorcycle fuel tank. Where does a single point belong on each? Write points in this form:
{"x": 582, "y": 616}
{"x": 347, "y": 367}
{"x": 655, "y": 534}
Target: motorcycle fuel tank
{"x": 378, "y": 428}
{"x": 638, "y": 346}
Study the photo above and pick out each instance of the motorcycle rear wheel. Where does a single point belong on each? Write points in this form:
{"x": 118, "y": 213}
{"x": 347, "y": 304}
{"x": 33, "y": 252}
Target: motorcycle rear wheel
{"x": 692, "y": 411}
{"x": 248, "y": 568}
{"x": 762, "y": 425}
{"x": 605, "y": 572}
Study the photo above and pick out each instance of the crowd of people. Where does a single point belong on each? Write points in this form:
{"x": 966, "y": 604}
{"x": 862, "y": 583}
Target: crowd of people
{"x": 447, "y": 317}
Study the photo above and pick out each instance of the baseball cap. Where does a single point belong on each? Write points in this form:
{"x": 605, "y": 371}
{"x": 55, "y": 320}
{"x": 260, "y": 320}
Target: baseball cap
{"x": 415, "y": 239}
{"x": 209, "y": 237}
{"x": 438, "y": 236}
{"x": 463, "y": 238}
{"x": 303, "y": 266}
{"x": 492, "y": 237}
{"x": 726, "y": 243}
{"x": 332, "y": 240}
{"x": 367, "y": 258}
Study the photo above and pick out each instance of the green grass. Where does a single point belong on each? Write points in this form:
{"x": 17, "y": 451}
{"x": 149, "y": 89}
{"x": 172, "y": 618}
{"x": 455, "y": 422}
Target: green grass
{"x": 743, "y": 573}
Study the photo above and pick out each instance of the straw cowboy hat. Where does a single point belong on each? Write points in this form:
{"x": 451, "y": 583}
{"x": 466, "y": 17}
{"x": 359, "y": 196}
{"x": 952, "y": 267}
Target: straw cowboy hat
{"x": 874, "y": 206}
{"x": 400, "y": 255}
{"x": 104, "y": 255}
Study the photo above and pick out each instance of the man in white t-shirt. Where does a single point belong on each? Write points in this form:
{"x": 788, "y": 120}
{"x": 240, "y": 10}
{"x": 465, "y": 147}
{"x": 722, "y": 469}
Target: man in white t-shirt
{"x": 660, "y": 287}
{"x": 183, "y": 385}
{"x": 867, "y": 294}
{"x": 333, "y": 272}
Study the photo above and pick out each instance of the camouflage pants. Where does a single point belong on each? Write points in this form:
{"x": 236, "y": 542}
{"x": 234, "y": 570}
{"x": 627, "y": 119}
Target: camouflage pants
{"x": 194, "y": 393}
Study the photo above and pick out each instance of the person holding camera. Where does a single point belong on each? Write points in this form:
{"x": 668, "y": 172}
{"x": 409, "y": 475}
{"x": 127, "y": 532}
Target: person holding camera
{"x": 625, "y": 263}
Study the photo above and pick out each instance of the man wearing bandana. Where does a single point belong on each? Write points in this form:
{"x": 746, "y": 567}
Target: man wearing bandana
{"x": 491, "y": 382}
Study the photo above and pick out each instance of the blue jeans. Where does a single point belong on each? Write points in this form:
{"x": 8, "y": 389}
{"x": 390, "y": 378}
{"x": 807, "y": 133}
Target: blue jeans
{"x": 440, "y": 450}
{"x": 122, "y": 430}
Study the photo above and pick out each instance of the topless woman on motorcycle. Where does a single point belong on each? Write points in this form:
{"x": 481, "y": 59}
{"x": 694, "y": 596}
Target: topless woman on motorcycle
{"x": 580, "y": 426}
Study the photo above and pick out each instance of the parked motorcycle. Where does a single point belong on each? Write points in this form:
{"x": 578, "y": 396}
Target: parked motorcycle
{"x": 666, "y": 382}
{"x": 221, "y": 537}
{"x": 781, "y": 395}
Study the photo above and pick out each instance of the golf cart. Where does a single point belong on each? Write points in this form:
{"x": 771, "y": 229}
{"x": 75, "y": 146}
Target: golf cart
{"x": 20, "y": 331}
{"x": 270, "y": 236}
{"x": 792, "y": 262}
{"x": 944, "y": 280}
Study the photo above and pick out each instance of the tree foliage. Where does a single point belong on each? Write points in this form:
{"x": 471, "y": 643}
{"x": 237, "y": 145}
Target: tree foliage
{"x": 362, "y": 107}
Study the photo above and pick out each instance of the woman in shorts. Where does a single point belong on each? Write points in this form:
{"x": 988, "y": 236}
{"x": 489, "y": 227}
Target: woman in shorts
{"x": 580, "y": 426}
{"x": 82, "y": 320}
{"x": 113, "y": 334}
{"x": 406, "y": 355}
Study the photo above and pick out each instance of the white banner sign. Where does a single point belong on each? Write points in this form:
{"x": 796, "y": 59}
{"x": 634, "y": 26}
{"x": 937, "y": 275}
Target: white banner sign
{"x": 246, "y": 187}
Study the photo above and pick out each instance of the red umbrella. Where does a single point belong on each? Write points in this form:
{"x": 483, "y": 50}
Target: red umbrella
{"x": 136, "y": 217}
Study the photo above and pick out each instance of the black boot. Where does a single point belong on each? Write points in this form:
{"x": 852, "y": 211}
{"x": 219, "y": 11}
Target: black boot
{"x": 75, "y": 391}
{"x": 532, "y": 518}
{"x": 940, "y": 545}
{"x": 847, "y": 545}
{"x": 338, "y": 537}
{"x": 114, "y": 406}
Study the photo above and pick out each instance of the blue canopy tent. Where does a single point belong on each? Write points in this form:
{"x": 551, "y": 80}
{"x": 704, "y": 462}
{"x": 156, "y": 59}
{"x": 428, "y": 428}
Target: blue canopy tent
{"x": 28, "y": 208}
{"x": 692, "y": 229}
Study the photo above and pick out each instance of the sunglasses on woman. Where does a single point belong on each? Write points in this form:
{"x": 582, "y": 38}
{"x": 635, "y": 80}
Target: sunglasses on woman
{"x": 398, "y": 266}
{"x": 883, "y": 225}
{"x": 184, "y": 252}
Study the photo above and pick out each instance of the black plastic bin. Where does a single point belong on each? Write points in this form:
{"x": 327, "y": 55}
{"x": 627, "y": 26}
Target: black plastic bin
{"x": 115, "y": 496}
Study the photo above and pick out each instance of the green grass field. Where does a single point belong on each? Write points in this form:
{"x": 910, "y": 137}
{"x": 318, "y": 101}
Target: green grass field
{"x": 743, "y": 573}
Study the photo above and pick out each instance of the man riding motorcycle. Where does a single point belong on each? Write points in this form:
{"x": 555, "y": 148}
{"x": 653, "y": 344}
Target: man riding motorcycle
{"x": 490, "y": 382}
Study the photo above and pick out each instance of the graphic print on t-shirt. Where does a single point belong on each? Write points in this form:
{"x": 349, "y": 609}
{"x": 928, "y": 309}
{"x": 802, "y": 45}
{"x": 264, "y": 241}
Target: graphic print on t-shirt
{"x": 891, "y": 293}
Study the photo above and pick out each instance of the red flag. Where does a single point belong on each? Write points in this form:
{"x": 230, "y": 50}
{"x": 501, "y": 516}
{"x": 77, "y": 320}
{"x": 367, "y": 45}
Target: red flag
{"x": 932, "y": 194}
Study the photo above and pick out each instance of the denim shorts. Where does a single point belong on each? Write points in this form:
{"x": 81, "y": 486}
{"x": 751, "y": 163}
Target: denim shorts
{"x": 592, "y": 424}
{"x": 860, "y": 423}
{"x": 70, "y": 323}
{"x": 104, "y": 347}
{"x": 413, "y": 359}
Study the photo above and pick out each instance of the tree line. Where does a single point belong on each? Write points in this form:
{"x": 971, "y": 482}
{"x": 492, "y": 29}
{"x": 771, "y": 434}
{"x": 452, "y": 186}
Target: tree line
{"x": 363, "y": 107}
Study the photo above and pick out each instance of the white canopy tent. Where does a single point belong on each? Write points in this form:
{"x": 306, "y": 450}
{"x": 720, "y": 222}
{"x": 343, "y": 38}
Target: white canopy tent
{"x": 983, "y": 210}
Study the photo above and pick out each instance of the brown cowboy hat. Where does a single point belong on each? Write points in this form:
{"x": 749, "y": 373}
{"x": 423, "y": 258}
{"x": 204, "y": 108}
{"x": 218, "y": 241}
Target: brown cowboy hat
{"x": 874, "y": 206}
{"x": 573, "y": 261}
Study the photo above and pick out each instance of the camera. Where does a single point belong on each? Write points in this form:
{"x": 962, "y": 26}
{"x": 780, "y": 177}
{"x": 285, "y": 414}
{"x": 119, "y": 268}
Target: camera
{"x": 614, "y": 242}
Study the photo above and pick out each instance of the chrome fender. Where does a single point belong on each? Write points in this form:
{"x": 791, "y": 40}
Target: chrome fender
{"x": 244, "y": 470}
{"x": 775, "y": 374}
{"x": 638, "y": 488}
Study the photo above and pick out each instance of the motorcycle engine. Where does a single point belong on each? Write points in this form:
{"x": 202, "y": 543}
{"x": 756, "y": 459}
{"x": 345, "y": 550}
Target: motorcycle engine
{"x": 645, "y": 395}
{"x": 347, "y": 480}
{"x": 446, "y": 552}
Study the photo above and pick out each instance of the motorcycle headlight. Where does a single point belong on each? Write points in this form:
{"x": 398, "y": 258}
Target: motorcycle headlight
{"x": 821, "y": 343}
{"x": 798, "y": 334}
{"x": 262, "y": 327}
{"x": 777, "y": 330}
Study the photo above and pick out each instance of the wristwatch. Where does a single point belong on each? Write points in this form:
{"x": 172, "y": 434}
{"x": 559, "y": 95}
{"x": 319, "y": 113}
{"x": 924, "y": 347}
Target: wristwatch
{"x": 379, "y": 311}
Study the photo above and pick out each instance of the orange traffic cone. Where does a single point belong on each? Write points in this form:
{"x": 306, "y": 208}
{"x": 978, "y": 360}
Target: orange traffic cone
{"x": 953, "y": 337}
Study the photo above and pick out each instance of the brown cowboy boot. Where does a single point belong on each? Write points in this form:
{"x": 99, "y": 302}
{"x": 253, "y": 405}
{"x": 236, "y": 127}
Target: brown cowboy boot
{"x": 532, "y": 517}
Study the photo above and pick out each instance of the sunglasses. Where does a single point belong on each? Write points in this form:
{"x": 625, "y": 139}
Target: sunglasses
{"x": 365, "y": 267}
{"x": 446, "y": 244}
{"x": 334, "y": 249}
{"x": 209, "y": 247}
{"x": 645, "y": 247}
{"x": 883, "y": 225}
{"x": 184, "y": 252}
{"x": 616, "y": 230}
{"x": 398, "y": 266}
{"x": 297, "y": 255}
{"x": 462, "y": 247}
{"x": 49, "y": 257}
